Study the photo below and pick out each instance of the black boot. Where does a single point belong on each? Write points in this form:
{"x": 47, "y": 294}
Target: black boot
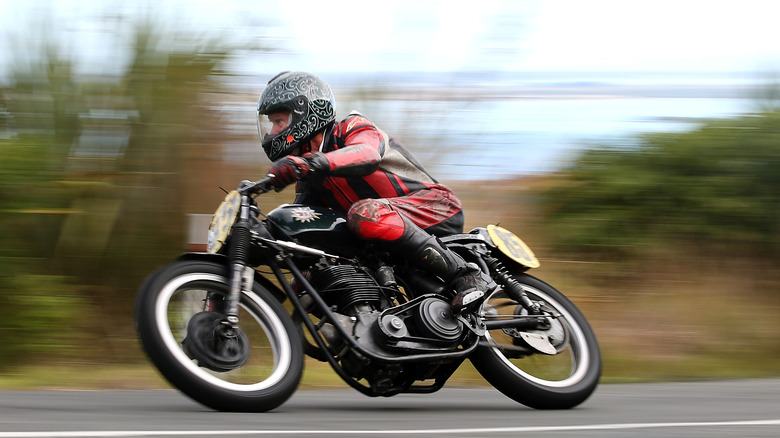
{"x": 427, "y": 252}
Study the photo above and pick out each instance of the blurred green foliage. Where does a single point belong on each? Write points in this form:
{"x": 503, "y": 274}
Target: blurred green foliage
{"x": 92, "y": 172}
{"x": 716, "y": 188}
{"x": 48, "y": 319}
{"x": 680, "y": 235}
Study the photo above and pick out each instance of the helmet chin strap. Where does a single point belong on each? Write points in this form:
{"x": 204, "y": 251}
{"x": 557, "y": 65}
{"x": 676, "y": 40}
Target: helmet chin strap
{"x": 327, "y": 132}
{"x": 322, "y": 143}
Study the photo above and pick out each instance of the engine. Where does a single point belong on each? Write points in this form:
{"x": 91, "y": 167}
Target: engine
{"x": 371, "y": 301}
{"x": 382, "y": 318}
{"x": 349, "y": 288}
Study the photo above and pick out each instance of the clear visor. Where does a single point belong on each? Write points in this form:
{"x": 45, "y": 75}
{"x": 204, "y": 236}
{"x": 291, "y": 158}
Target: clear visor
{"x": 271, "y": 125}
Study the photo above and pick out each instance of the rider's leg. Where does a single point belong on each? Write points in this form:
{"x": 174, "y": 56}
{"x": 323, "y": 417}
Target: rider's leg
{"x": 375, "y": 219}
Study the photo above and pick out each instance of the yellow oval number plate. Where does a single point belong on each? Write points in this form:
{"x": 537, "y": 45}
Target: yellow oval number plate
{"x": 512, "y": 246}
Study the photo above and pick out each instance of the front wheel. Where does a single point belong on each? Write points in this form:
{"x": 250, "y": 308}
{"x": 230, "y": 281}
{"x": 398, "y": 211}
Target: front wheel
{"x": 254, "y": 368}
{"x": 541, "y": 381}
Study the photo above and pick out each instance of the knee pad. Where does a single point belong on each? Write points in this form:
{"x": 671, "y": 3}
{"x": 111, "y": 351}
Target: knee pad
{"x": 374, "y": 219}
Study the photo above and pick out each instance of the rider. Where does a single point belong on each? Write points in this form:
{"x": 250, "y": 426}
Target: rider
{"x": 353, "y": 167}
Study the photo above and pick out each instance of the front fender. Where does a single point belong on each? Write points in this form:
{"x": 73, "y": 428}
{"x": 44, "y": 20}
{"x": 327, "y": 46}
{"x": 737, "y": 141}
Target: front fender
{"x": 223, "y": 259}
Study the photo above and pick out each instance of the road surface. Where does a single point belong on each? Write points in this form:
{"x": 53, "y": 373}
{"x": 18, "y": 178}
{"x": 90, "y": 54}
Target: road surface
{"x": 743, "y": 408}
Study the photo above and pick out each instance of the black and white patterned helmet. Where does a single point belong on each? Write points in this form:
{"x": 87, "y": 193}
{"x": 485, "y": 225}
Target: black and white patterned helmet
{"x": 310, "y": 102}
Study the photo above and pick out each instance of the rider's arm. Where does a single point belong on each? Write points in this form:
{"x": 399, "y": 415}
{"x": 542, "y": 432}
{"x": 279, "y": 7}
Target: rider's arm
{"x": 359, "y": 149}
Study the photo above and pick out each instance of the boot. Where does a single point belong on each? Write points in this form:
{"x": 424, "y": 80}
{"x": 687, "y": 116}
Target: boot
{"x": 427, "y": 252}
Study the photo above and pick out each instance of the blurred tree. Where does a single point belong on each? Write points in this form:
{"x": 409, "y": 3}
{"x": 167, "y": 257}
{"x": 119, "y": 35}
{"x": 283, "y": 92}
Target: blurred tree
{"x": 717, "y": 187}
{"x": 93, "y": 173}
{"x": 40, "y": 126}
{"x": 167, "y": 123}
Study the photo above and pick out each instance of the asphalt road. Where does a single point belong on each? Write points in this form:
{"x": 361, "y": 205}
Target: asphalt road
{"x": 749, "y": 408}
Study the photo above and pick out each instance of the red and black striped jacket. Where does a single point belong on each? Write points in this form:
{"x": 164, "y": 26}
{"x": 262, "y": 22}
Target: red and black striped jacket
{"x": 364, "y": 163}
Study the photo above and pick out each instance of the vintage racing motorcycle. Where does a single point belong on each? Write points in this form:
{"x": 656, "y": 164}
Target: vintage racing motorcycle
{"x": 230, "y": 327}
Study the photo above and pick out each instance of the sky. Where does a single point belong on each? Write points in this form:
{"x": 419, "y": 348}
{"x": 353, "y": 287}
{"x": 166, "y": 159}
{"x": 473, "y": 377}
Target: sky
{"x": 424, "y": 35}
{"x": 559, "y": 35}
{"x": 327, "y": 37}
{"x": 655, "y": 35}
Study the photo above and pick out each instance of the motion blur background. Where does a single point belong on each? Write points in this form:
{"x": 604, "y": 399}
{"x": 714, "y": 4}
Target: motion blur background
{"x": 635, "y": 146}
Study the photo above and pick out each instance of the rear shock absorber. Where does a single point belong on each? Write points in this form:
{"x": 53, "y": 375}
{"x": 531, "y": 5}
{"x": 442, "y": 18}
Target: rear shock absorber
{"x": 511, "y": 286}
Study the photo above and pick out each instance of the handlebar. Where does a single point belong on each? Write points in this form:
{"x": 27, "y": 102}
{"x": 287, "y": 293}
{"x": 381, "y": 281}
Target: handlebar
{"x": 256, "y": 187}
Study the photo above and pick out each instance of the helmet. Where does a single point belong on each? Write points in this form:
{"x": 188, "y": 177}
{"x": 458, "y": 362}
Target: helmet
{"x": 310, "y": 103}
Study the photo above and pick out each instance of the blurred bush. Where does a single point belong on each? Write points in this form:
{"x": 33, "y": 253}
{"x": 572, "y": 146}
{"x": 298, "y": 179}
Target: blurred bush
{"x": 93, "y": 180}
{"x": 681, "y": 235}
{"x": 49, "y": 318}
{"x": 715, "y": 188}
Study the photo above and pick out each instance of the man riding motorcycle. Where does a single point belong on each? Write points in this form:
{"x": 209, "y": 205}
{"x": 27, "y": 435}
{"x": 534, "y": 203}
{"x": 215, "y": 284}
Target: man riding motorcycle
{"x": 353, "y": 167}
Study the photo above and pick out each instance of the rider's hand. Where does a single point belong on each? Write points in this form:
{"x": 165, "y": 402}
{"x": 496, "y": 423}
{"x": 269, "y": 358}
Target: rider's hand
{"x": 291, "y": 168}
{"x": 287, "y": 170}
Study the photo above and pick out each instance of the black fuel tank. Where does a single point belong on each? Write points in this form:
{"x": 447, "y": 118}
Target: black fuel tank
{"x": 317, "y": 227}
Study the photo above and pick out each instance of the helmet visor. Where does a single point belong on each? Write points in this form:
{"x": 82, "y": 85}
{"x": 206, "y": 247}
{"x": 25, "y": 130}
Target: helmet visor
{"x": 273, "y": 124}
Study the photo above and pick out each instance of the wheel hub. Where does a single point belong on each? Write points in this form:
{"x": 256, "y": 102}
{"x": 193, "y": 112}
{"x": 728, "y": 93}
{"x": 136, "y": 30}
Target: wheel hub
{"x": 546, "y": 337}
{"x": 214, "y": 344}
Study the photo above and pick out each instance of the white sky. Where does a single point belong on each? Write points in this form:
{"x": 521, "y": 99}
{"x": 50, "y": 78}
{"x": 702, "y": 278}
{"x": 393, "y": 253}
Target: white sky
{"x": 542, "y": 35}
{"x": 387, "y": 35}
{"x": 655, "y": 35}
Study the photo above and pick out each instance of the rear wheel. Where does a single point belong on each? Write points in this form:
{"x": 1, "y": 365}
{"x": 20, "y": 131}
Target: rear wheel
{"x": 255, "y": 368}
{"x": 559, "y": 381}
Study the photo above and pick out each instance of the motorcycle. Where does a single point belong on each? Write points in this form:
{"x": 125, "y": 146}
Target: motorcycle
{"x": 216, "y": 326}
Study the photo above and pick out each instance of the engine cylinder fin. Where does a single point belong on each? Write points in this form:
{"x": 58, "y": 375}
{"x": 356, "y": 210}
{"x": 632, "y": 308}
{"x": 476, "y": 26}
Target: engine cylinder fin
{"x": 345, "y": 286}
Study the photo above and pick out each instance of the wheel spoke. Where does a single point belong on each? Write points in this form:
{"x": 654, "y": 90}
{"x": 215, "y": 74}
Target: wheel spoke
{"x": 571, "y": 361}
{"x": 264, "y": 353}
{"x": 254, "y": 366}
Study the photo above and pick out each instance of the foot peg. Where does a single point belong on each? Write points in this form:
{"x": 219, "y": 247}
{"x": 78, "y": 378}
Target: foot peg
{"x": 467, "y": 301}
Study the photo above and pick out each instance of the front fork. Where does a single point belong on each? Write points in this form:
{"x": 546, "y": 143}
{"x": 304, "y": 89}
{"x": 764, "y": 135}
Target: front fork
{"x": 242, "y": 280}
{"x": 242, "y": 276}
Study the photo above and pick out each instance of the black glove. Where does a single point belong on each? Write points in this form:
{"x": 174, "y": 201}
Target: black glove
{"x": 291, "y": 168}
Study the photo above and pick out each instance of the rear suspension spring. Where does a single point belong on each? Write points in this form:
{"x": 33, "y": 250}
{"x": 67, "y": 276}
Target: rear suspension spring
{"x": 511, "y": 286}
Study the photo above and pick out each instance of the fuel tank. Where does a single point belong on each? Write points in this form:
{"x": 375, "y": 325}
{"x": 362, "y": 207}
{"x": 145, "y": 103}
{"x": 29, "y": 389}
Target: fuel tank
{"x": 317, "y": 227}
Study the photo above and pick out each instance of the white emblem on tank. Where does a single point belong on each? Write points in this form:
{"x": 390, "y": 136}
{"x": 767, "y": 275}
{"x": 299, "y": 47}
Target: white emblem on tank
{"x": 305, "y": 214}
